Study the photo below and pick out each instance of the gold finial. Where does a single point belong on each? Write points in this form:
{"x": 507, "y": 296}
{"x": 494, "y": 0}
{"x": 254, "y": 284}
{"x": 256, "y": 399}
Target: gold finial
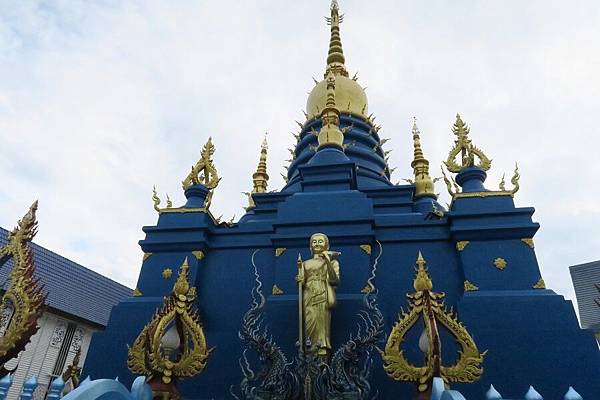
{"x": 260, "y": 178}
{"x": 182, "y": 286}
{"x": 422, "y": 280}
{"x": 330, "y": 133}
{"x": 204, "y": 172}
{"x": 423, "y": 182}
{"x": 335, "y": 56}
{"x": 466, "y": 149}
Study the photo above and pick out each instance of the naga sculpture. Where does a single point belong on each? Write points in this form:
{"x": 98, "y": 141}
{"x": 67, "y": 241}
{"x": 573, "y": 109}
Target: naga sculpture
{"x": 309, "y": 377}
{"x": 25, "y": 293}
{"x": 275, "y": 379}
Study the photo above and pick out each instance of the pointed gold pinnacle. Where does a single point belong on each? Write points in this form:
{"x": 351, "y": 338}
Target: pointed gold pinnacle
{"x": 335, "y": 56}
{"x": 330, "y": 134}
{"x": 422, "y": 280}
{"x": 423, "y": 182}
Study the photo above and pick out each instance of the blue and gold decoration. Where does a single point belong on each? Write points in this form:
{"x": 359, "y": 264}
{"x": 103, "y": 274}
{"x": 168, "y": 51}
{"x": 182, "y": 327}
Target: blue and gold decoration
{"x": 479, "y": 251}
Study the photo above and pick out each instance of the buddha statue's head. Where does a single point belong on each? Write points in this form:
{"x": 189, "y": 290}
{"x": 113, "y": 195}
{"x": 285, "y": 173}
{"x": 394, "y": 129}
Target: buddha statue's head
{"x": 319, "y": 243}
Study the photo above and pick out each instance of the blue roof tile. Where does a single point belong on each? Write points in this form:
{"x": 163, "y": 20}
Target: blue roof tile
{"x": 71, "y": 288}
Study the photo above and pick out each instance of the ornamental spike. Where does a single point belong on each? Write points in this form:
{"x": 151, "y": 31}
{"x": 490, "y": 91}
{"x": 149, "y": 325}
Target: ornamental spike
{"x": 260, "y": 178}
{"x": 335, "y": 56}
{"x": 423, "y": 183}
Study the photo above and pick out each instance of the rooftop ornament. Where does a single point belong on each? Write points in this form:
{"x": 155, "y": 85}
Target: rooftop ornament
{"x": 471, "y": 175}
{"x": 204, "y": 172}
{"x": 466, "y": 149}
{"x": 172, "y": 345}
{"x": 25, "y": 293}
{"x": 428, "y": 305}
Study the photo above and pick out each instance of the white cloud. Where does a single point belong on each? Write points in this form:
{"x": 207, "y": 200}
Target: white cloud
{"x": 101, "y": 100}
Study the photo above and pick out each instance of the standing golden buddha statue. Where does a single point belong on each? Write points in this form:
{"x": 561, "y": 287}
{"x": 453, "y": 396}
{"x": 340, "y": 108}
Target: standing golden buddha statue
{"x": 317, "y": 280}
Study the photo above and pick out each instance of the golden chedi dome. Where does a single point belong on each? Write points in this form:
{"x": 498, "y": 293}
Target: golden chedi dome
{"x": 349, "y": 95}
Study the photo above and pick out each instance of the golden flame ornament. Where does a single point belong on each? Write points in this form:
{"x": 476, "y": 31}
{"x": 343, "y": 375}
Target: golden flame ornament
{"x": 467, "y": 150}
{"x": 204, "y": 172}
{"x": 150, "y": 354}
{"x": 25, "y": 293}
{"x": 428, "y": 305}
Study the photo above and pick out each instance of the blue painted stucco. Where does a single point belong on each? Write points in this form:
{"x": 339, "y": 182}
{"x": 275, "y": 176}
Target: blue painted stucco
{"x": 532, "y": 335}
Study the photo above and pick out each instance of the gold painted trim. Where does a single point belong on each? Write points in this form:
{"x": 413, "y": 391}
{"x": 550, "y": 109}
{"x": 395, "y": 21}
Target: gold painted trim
{"x": 483, "y": 194}
{"x": 500, "y": 263}
{"x": 136, "y": 292}
{"x": 182, "y": 210}
{"x": 279, "y": 251}
{"x": 540, "y": 284}
{"x": 146, "y": 256}
{"x": 460, "y": 246}
{"x": 166, "y": 273}
{"x": 528, "y": 242}
{"x": 366, "y": 248}
{"x": 199, "y": 254}
{"x": 276, "y": 290}
{"x": 470, "y": 287}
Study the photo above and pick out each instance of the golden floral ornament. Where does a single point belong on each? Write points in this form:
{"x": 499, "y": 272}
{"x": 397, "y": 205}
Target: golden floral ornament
{"x": 25, "y": 294}
{"x": 467, "y": 150}
{"x": 177, "y": 320}
{"x": 500, "y": 263}
{"x": 167, "y": 273}
{"x": 428, "y": 305}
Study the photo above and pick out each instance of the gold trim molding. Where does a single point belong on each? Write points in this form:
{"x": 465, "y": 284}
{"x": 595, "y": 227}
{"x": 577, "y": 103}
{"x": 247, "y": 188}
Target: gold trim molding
{"x": 366, "y": 248}
{"x": 460, "y": 246}
{"x": 528, "y": 242}
{"x": 470, "y": 287}
{"x": 146, "y": 256}
{"x": 199, "y": 254}
{"x": 540, "y": 284}
{"x": 279, "y": 251}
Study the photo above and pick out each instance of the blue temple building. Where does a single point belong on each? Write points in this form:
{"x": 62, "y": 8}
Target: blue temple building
{"x": 480, "y": 253}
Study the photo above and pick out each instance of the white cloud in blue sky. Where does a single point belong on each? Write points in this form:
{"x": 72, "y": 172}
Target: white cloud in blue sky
{"x": 101, "y": 100}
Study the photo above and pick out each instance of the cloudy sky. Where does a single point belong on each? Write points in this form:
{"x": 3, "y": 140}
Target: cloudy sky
{"x": 100, "y": 100}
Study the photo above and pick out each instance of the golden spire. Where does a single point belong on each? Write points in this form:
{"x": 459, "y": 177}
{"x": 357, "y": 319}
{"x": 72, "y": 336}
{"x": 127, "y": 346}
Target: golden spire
{"x": 182, "y": 285}
{"x": 422, "y": 280}
{"x": 466, "y": 149}
{"x": 335, "y": 56}
{"x": 350, "y": 96}
{"x": 260, "y": 178}
{"x": 330, "y": 133}
{"x": 420, "y": 165}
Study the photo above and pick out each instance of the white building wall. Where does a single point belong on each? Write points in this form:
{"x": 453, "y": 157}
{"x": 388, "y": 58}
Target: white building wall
{"x": 41, "y": 354}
